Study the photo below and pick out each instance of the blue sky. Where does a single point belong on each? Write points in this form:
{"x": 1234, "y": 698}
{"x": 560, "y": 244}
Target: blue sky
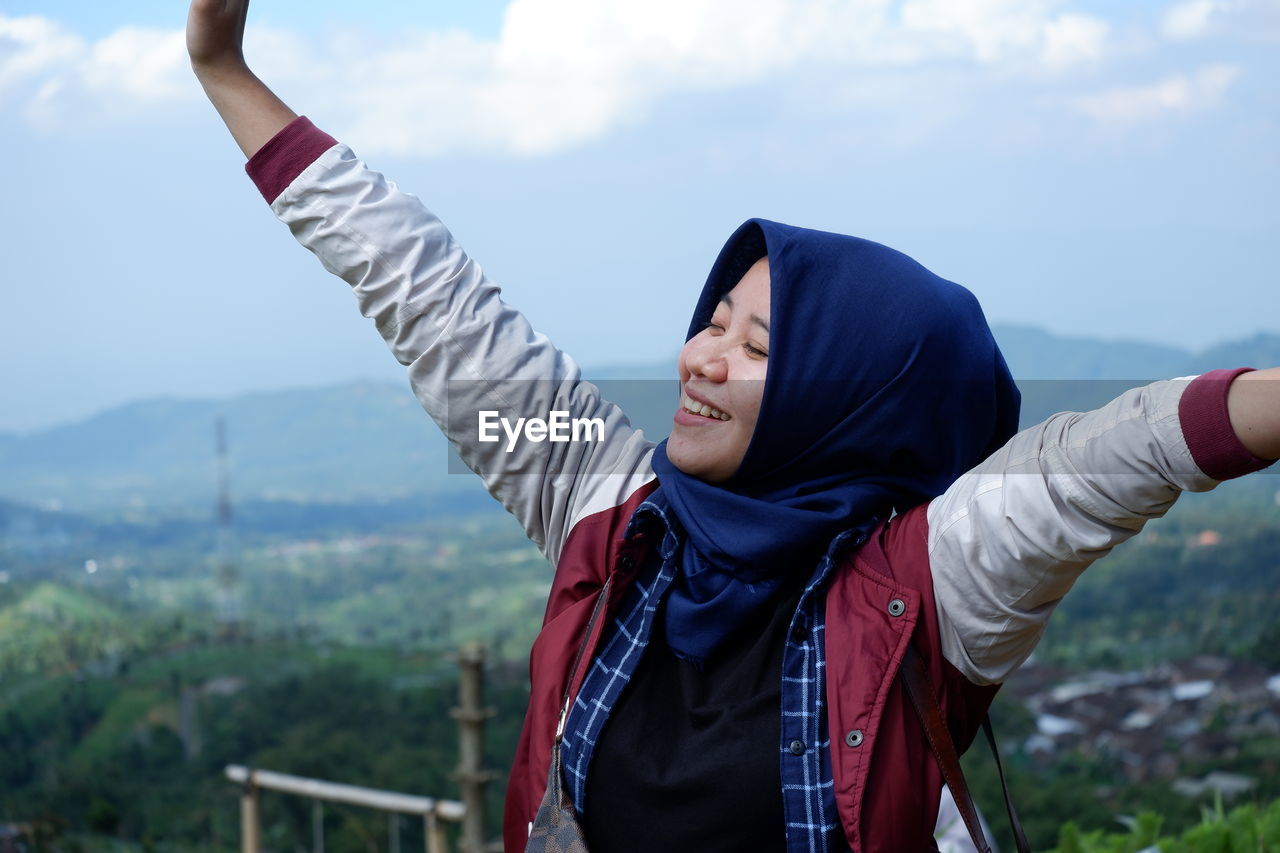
{"x": 1088, "y": 169}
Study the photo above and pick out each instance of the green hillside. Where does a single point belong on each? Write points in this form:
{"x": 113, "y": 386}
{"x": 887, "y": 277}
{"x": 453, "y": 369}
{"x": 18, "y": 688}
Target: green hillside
{"x": 89, "y": 763}
{"x": 56, "y": 628}
{"x": 341, "y": 669}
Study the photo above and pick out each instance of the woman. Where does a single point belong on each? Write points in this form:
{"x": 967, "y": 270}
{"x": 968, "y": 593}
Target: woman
{"x": 763, "y": 572}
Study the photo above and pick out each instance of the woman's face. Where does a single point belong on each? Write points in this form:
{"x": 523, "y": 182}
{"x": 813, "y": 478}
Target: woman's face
{"x": 722, "y": 372}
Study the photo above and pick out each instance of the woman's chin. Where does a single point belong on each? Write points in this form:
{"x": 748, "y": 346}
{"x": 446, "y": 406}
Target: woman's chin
{"x": 696, "y": 464}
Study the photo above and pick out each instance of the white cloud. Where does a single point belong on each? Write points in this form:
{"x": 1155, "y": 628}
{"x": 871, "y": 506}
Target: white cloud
{"x": 141, "y": 64}
{"x": 1179, "y": 94}
{"x": 31, "y": 47}
{"x": 560, "y": 72}
{"x": 1008, "y": 31}
{"x": 1254, "y": 20}
{"x": 57, "y": 76}
{"x": 1188, "y": 20}
{"x": 1073, "y": 39}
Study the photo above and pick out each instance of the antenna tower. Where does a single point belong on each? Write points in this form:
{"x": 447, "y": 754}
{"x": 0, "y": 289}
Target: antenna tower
{"x": 227, "y": 600}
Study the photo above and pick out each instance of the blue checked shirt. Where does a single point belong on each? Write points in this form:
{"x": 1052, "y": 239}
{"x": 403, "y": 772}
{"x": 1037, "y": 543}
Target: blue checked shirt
{"x": 808, "y": 793}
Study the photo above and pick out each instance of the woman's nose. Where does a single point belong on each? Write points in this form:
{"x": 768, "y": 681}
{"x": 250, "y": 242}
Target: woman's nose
{"x": 706, "y": 358}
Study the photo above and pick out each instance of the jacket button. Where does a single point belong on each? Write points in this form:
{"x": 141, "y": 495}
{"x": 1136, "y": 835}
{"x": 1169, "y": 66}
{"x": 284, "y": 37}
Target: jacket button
{"x": 797, "y": 747}
{"x": 625, "y": 563}
{"x": 853, "y": 738}
{"x": 897, "y": 607}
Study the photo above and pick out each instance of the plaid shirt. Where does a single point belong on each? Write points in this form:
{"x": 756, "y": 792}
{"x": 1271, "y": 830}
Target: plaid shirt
{"x": 808, "y": 793}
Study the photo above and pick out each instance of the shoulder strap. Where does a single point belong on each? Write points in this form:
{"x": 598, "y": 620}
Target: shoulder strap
{"x": 577, "y": 660}
{"x": 916, "y": 679}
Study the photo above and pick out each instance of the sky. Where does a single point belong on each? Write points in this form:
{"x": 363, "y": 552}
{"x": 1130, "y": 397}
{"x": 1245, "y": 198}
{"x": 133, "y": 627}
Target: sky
{"x": 1092, "y": 168}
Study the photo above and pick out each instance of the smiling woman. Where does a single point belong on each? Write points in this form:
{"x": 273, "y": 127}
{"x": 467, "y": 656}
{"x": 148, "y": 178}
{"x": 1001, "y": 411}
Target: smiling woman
{"x": 722, "y": 372}
{"x": 744, "y": 617}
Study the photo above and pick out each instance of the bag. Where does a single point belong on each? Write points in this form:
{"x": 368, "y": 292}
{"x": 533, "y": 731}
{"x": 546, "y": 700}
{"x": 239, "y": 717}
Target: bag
{"x": 555, "y": 827}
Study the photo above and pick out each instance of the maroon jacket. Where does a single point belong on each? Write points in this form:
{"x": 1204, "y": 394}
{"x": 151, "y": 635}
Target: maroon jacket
{"x": 874, "y": 732}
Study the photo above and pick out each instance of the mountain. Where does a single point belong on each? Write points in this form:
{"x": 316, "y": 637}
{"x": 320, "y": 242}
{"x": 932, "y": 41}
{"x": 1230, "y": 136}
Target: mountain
{"x": 1033, "y": 353}
{"x": 1062, "y": 373}
{"x": 355, "y": 442}
{"x": 39, "y": 532}
{"x": 1261, "y": 350}
{"x": 365, "y": 443}
{"x": 1036, "y": 353}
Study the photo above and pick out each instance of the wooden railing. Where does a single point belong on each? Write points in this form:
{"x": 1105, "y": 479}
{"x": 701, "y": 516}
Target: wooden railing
{"x": 433, "y": 812}
{"x": 472, "y": 778}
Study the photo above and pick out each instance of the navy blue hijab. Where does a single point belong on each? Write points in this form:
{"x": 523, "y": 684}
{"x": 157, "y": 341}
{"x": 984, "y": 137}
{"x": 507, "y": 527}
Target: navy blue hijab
{"x": 884, "y": 384}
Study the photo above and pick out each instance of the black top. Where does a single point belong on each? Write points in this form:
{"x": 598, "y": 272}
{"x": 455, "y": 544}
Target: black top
{"x": 690, "y": 760}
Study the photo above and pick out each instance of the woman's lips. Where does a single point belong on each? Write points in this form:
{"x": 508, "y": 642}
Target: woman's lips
{"x": 694, "y": 412}
{"x": 684, "y": 417}
{"x": 697, "y": 406}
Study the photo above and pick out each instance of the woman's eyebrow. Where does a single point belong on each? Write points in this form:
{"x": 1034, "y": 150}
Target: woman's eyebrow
{"x": 755, "y": 318}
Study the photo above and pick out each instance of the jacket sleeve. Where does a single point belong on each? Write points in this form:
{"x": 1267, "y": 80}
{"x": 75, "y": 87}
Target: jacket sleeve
{"x": 1008, "y": 539}
{"x": 465, "y": 349}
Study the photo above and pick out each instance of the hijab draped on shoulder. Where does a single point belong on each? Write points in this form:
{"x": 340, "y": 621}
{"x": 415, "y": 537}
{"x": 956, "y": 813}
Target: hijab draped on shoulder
{"x": 884, "y": 384}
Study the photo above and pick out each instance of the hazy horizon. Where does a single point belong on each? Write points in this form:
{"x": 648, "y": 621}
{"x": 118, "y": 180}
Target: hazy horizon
{"x": 648, "y": 370}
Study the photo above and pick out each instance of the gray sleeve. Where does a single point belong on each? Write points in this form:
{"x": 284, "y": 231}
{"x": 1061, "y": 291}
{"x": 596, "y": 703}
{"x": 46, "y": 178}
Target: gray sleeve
{"x": 1008, "y": 539}
{"x": 466, "y": 350}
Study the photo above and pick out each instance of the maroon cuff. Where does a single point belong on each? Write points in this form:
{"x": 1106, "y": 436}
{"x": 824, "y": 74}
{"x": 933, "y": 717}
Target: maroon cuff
{"x": 1207, "y": 427}
{"x": 285, "y": 155}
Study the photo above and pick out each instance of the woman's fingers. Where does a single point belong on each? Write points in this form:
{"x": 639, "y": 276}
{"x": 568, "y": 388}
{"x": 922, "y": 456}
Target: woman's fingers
{"x": 215, "y": 32}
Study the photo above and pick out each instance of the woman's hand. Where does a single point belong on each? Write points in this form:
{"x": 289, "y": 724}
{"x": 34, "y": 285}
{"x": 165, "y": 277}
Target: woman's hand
{"x": 215, "y": 35}
{"x": 215, "y": 41}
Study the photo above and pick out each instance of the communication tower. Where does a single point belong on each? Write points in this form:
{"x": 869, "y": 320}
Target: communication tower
{"x": 227, "y": 605}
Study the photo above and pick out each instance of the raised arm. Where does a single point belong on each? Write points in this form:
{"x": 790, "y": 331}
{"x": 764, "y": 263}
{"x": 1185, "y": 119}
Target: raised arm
{"x": 1008, "y": 539}
{"x": 467, "y": 351}
{"x": 215, "y": 42}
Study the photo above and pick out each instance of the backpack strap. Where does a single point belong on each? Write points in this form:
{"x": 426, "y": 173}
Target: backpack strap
{"x": 916, "y": 679}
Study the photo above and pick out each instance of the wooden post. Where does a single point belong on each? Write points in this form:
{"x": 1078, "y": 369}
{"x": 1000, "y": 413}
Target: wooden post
{"x": 434, "y": 833}
{"x": 472, "y": 778}
{"x": 317, "y": 826}
{"x": 250, "y": 826}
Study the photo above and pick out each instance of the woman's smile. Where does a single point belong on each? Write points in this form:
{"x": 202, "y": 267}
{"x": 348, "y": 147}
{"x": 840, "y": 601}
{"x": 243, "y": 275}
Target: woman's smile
{"x": 722, "y": 373}
{"x": 701, "y": 409}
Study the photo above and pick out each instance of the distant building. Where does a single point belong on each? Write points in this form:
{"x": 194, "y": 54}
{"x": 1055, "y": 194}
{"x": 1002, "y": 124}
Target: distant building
{"x": 1153, "y": 722}
{"x": 1208, "y": 538}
